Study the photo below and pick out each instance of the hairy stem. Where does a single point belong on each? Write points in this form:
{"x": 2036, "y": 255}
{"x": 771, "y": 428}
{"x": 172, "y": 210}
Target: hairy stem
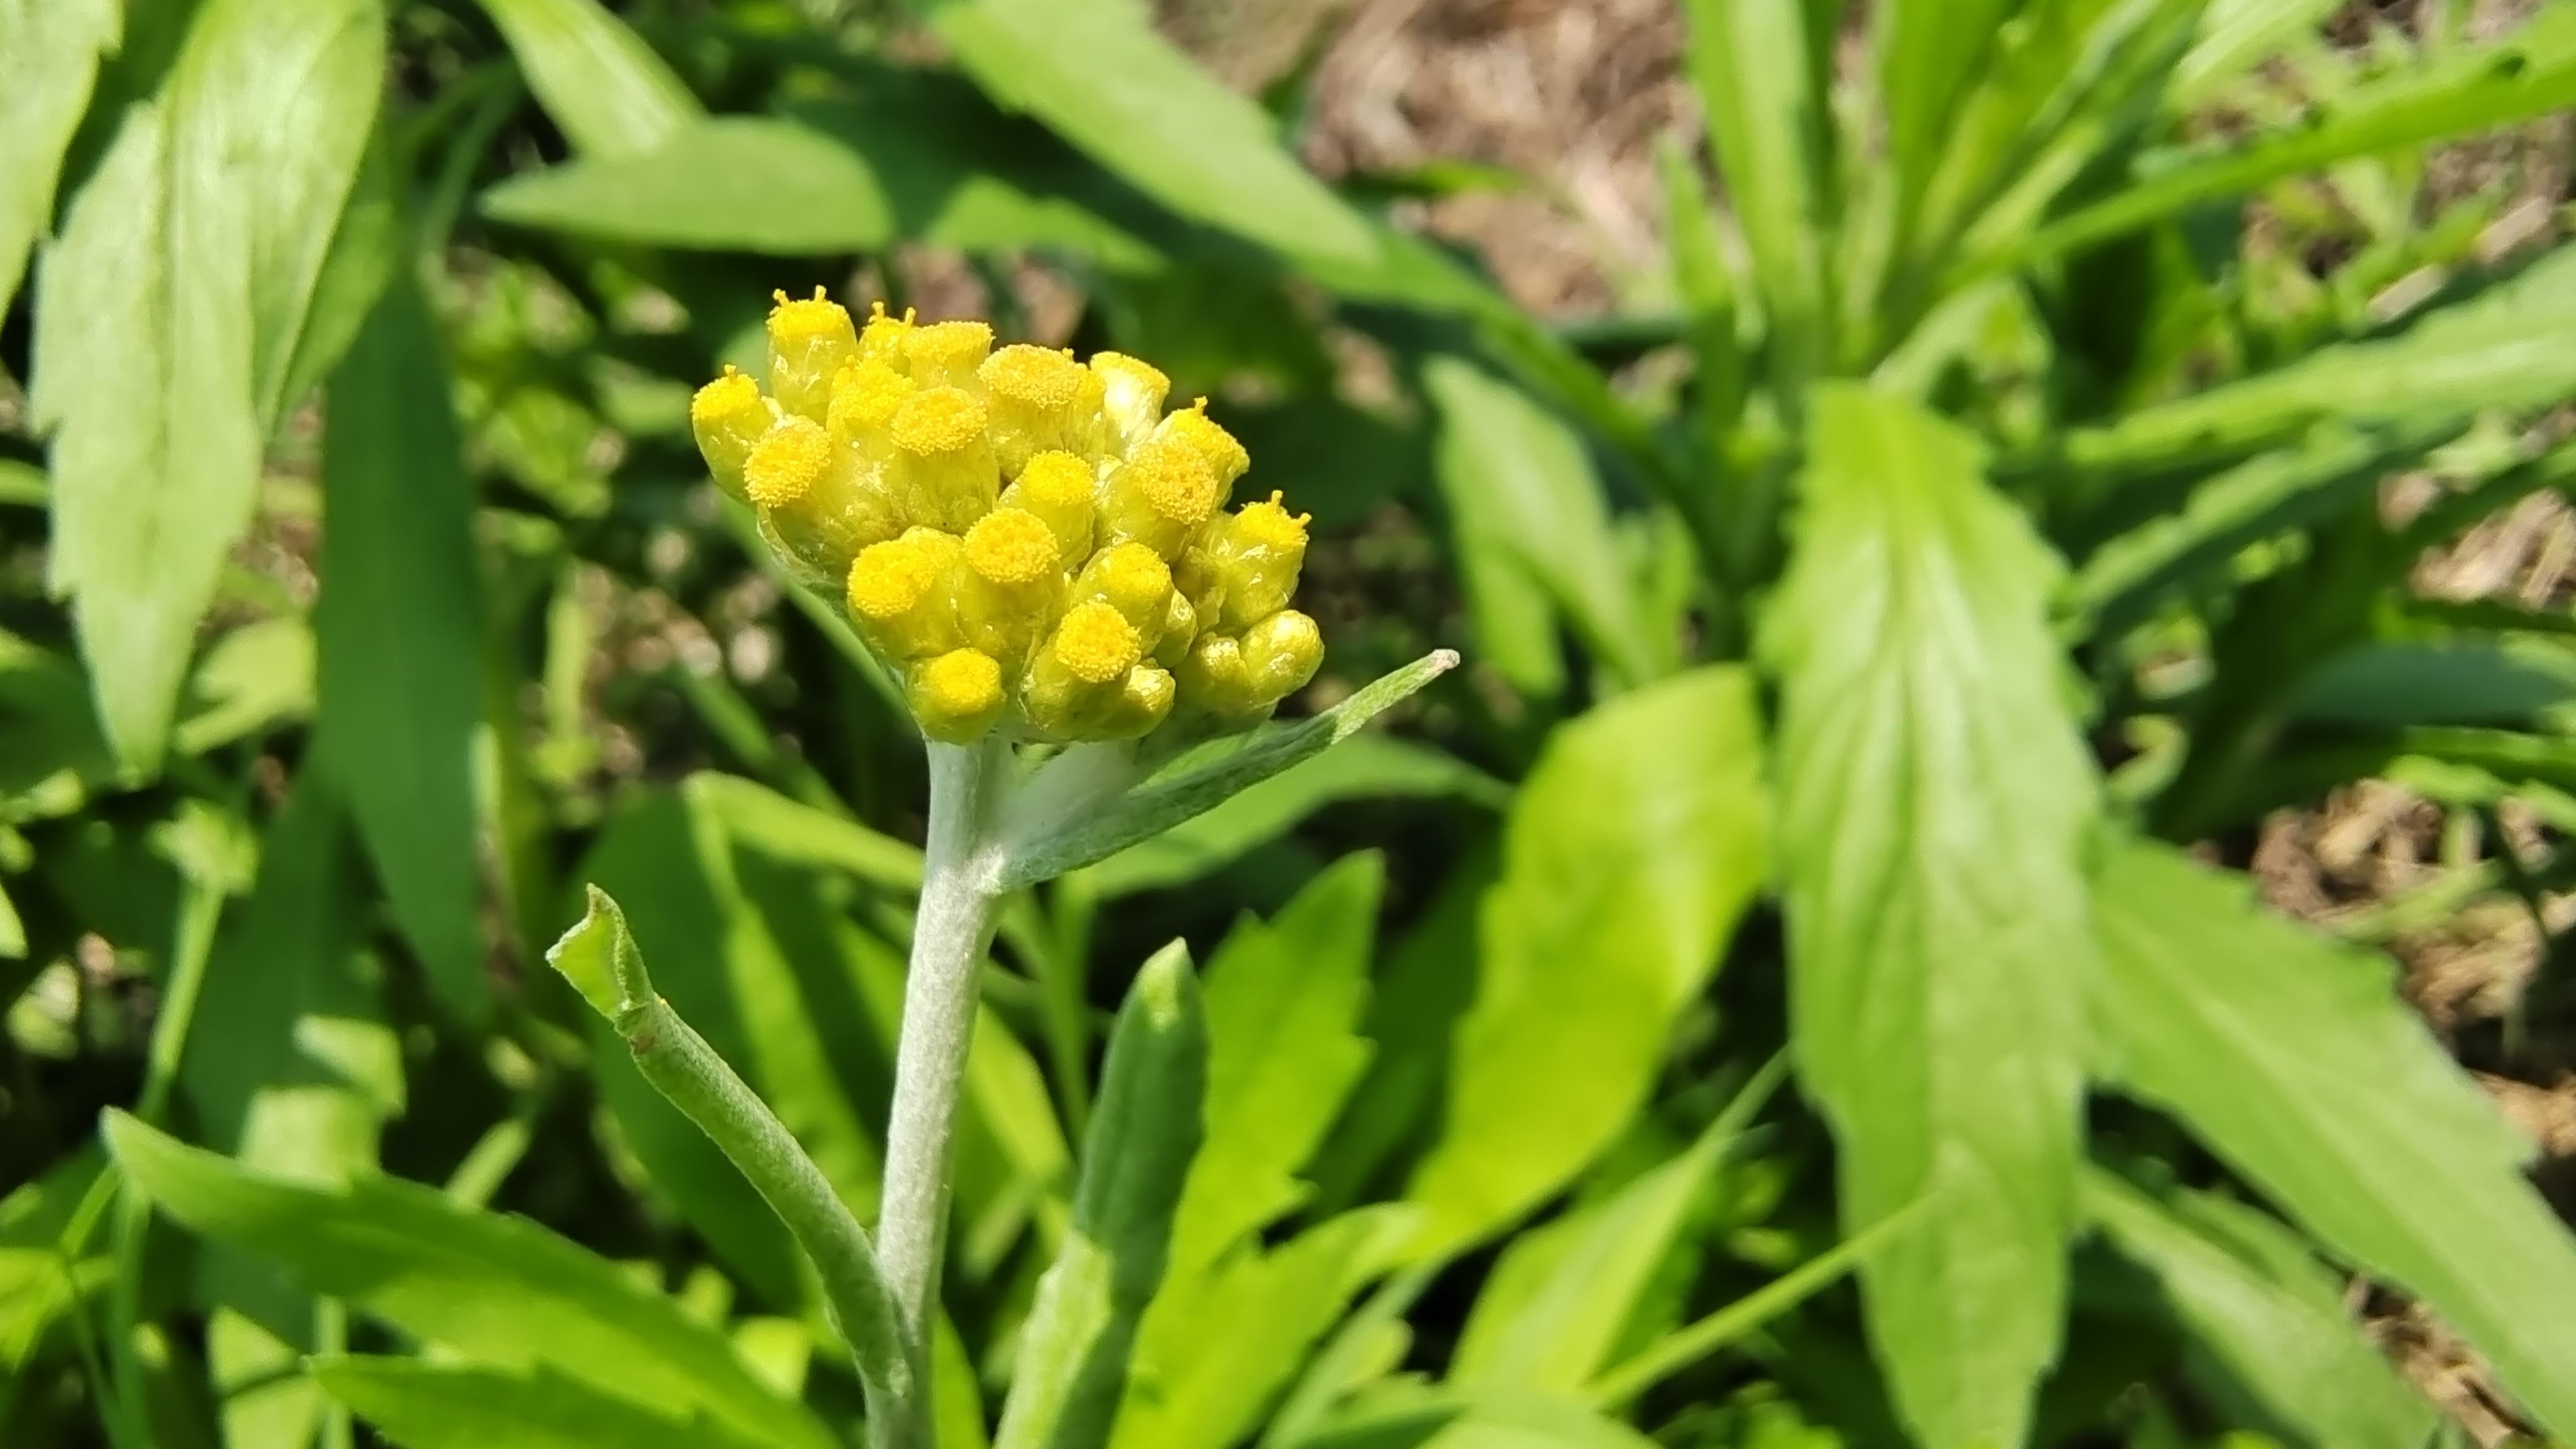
{"x": 682, "y": 1067}
{"x": 948, "y": 940}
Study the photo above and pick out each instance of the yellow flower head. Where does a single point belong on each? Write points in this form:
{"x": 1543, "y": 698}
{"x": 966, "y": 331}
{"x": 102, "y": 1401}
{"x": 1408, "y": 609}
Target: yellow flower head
{"x": 1028, "y": 538}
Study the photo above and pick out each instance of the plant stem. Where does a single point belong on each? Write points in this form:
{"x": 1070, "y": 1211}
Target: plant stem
{"x": 949, "y": 937}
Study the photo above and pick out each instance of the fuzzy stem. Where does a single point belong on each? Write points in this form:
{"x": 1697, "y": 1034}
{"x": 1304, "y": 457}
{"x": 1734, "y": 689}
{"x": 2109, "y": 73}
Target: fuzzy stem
{"x": 949, "y": 937}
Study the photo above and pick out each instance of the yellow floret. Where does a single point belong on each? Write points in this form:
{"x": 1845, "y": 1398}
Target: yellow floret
{"x": 957, "y": 696}
{"x": 728, "y": 417}
{"x": 784, "y": 465}
{"x": 864, "y": 398}
{"x": 1132, "y": 579}
{"x": 1268, "y": 524}
{"x": 1036, "y": 376}
{"x": 946, "y": 353}
{"x": 1056, "y": 486}
{"x": 1160, "y": 497}
{"x": 891, "y": 579}
{"x": 882, "y": 339}
{"x": 1194, "y": 429}
{"x": 1095, "y": 644}
{"x": 1132, "y": 394}
{"x": 809, "y": 343}
{"x": 937, "y": 421}
{"x": 806, "y": 320}
{"x": 1010, "y": 546}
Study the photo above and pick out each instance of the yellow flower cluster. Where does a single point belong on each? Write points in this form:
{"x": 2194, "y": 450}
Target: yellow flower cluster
{"x": 1032, "y": 541}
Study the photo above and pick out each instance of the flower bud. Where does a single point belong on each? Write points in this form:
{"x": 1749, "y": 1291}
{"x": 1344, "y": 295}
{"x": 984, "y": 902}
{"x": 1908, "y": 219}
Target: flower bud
{"x": 1131, "y": 399}
{"x": 903, "y": 594}
{"x": 729, "y": 417}
{"x": 1194, "y": 429}
{"x": 1160, "y": 497}
{"x": 1180, "y": 626}
{"x": 1214, "y": 678}
{"x": 1012, "y": 577}
{"x": 1253, "y": 557}
{"x": 946, "y": 354}
{"x": 809, "y": 343}
{"x": 1041, "y": 400}
{"x": 1280, "y": 654}
{"x": 956, "y": 696}
{"x": 1132, "y": 579}
{"x": 1143, "y": 700}
{"x": 1057, "y": 487}
{"x": 943, "y": 472}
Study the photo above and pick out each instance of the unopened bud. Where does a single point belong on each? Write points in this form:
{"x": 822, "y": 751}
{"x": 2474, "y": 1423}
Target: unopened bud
{"x": 946, "y": 354}
{"x": 810, "y": 342}
{"x": 729, "y": 418}
{"x": 956, "y": 696}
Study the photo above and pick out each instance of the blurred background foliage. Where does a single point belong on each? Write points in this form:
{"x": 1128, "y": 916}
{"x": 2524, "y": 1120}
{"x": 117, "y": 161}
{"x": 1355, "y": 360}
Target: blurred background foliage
{"x": 1899, "y": 471}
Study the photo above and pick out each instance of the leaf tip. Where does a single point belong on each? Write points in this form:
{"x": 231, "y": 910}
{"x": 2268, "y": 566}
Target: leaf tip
{"x": 598, "y": 956}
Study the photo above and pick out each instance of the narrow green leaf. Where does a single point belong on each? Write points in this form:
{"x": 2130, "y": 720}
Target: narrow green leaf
{"x": 597, "y": 78}
{"x": 421, "y": 1405}
{"x": 2236, "y": 36}
{"x": 1100, "y": 76}
{"x": 1630, "y": 852}
{"x": 1933, "y": 798}
{"x": 501, "y": 1292}
{"x": 1369, "y": 767}
{"x": 731, "y": 183}
{"x": 49, "y": 54}
{"x": 789, "y": 830}
{"x": 1931, "y": 59}
{"x": 2391, "y": 684}
{"x": 2275, "y": 1325}
{"x": 1034, "y": 850}
{"x": 165, "y": 313}
{"x": 2527, "y": 73}
{"x": 1562, "y": 1296}
{"x": 1144, "y": 1133}
{"x": 399, "y": 635}
{"x": 2336, "y": 468}
{"x": 1283, "y": 1006}
{"x": 1515, "y": 475}
{"x": 1750, "y": 61}
{"x": 2506, "y": 348}
{"x": 1214, "y": 1351}
{"x": 2291, "y": 1057}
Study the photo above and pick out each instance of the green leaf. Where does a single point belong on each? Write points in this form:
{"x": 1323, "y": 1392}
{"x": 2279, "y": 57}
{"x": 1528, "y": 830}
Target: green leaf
{"x": 2336, "y": 468}
{"x": 1933, "y": 797}
{"x": 2273, "y": 1321}
{"x": 1751, "y": 62}
{"x": 500, "y": 1292}
{"x": 1043, "y": 845}
{"x": 1630, "y": 852}
{"x": 1097, "y": 73}
{"x": 2237, "y": 35}
{"x": 1074, "y": 1352}
{"x": 1215, "y": 1350}
{"x": 1932, "y": 60}
{"x": 2394, "y": 683}
{"x": 1517, "y": 477}
{"x": 1369, "y": 767}
{"x": 2292, "y": 1058}
{"x": 2505, "y": 348}
{"x": 420, "y": 1405}
{"x": 251, "y": 679}
{"x": 1283, "y": 1005}
{"x": 607, "y": 90}
{"x": 49, "y": 54}
{"x": 13, "y": 932}
{"x": 2530, "y": 72}
{"x": 399, "y": 635}
{"x": 1561, "y": 1297}
{"x": 731, "y": 183}
{"x": 165, "y": 315}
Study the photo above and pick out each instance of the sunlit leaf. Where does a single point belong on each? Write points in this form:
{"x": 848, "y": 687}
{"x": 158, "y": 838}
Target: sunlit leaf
{"x": 1933, "y": 797}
